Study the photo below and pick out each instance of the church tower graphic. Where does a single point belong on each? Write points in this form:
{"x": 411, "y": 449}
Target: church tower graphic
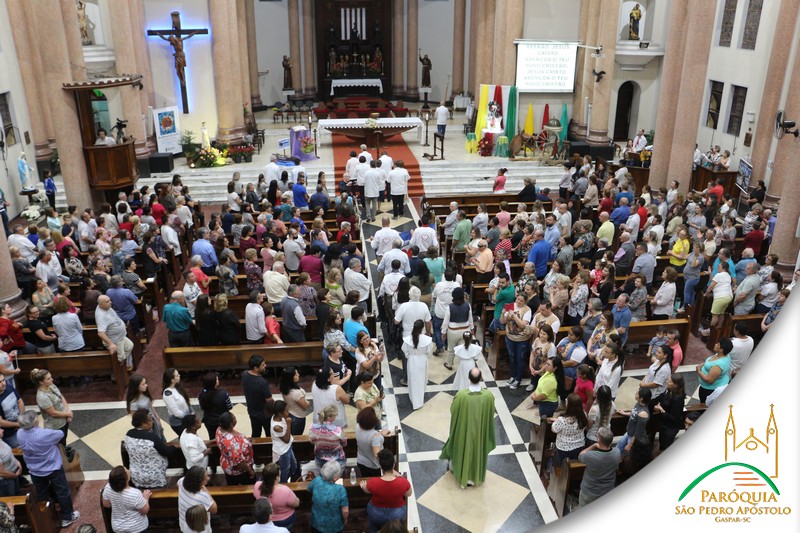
{"x": 761, "y": 452}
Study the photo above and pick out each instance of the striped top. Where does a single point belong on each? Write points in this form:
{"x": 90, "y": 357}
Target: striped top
{"x": 125, "y": 505}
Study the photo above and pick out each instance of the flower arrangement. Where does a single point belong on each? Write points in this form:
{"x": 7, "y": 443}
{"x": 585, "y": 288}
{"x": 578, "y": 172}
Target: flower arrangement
{"x": 307, "y": 145}
{"x": 210, "y": 157}
{"x": 32, "y": 213}
{"x": 485, "y": 146}
{"x": 371, "y": 123}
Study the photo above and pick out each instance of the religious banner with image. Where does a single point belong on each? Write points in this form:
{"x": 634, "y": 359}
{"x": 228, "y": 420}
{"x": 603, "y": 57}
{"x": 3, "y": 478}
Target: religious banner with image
{"x": 167, "y": 130}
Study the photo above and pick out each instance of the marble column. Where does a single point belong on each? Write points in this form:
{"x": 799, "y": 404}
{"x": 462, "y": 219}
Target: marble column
{"x": 294, "y": 44}
{"x": 770, "y": 99}
{"x": 310, "y": 84}
{"x": 125, "y": 57}
{"x": 398, "y": 25}
{"x": 412, "y": 50}
{"x": 587, "y": 83}
{"x": 785, "y": 242}
{"x": 509, "y": 17}
{"x": 689, "y": 101}
{"x": 9, "y": 292}
{"x": 26, "y": 43}
{"x": 601, "y": 94}
{"x": 474, "y": 12}
{"x": 226, "y": 83}
{"x": 671, "y": 72}
{"x": 74, "y": 46}
{"x": 252, "y": 55}
{"x": 580, "y": 58}
{"x": 485, "y": 46}
{"x": 56, "y": 67}
{"x": 459, "y": 29}
{"x": 147, "y": 97}
{"x": 244, "y": 52}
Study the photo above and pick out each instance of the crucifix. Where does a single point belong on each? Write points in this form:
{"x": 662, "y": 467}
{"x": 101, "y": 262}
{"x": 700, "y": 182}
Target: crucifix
{"x": 173, "y": 37}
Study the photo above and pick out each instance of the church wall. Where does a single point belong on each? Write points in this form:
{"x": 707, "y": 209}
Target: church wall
{"x": 436, "y": 39}
{"x": 199, "y": 63}
{"x": 272, "y": 41}
{"x": 11, "y": 82}
{"x": 745, "y": 68}
{"x": 643, "y": 112}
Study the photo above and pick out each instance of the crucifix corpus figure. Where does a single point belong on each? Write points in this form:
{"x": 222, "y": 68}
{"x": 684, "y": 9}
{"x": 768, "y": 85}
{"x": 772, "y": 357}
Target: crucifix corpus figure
{"x": 173, "y": 37}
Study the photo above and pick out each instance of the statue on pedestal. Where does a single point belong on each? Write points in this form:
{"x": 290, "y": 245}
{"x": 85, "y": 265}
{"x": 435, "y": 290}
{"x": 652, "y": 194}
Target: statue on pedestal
{"x": 83, "y": 22}
{"x": 427, "y": 66}
{"x": 205, "y": 141}
{"x": 635, "y": 17}
{"x": 287, "y": 74}
{"x": 25, "y": 173}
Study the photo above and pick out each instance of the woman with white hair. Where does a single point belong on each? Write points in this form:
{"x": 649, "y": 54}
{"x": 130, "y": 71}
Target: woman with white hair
{"x": 329, "y": 505}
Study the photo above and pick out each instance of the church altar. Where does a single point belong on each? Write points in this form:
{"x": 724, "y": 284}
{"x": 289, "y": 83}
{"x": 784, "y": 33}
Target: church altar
{"x": 353, "y": 82}
{"x": 357, "y": 129}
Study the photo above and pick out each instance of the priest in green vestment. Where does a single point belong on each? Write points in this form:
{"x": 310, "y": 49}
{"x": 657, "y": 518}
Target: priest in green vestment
{"x": 471, "y": 432}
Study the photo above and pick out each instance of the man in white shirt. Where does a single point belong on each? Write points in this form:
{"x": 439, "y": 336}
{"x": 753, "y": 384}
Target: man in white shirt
{"x": 384, "y": 238}
{"x": 297, "y": 169}
{"x": 398, "y": 179}
{"x": 639, "y": 142}
{"x": 391, "y": 280}
{"x": 276, "y": 282}
{"x": 442, "y": 114}
{"x": 170, "y": 237}
{"x": 255, "y": 325}
{"x": 86, "y": 236}
{"x": 424, "y": 236}
{"x": 350, "y": 167}
{"x": 272, "y": 171}
{"x": 366, "y": 153}
{"x": 564, "y": 220}
{"x": 387, "y": 164}
{"x": 360, "y": 176}
{"x": 191, "y": 291}
{"x": 374, "y": 184}
{"x": 26, "y": 248}
{"x": 354, "y": 280}
{"x": 103, "y": 139}
{"x": 632, "y": 224}
{"x": 742, "y": 346}
{"x": 395, "y": 253}
{"x": 697, "y": 160}
{"x": 442, "y": 297}
{"x": 122, "y": 199}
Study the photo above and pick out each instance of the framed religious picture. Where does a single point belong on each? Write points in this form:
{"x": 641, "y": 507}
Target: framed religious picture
{"x": 748, "y": 138}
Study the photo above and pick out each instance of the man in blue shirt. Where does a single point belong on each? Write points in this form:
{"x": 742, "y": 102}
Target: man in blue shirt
{"x": 620, "y": 214}
{"x": 624, "y": 193}
{"x": 552, "y": 234}
{"x": 123, "y": 301}
{"x": 178, "y": 321}
{"x": 203, "y": 247}
{"x": 354, "y": 325}
{"x": 622, "y": 317}
{"x": 539, "y": 254}
{"x": 319, "y": 199}
{"x": 723, "y": 256}
{"x": 299, "y": 192}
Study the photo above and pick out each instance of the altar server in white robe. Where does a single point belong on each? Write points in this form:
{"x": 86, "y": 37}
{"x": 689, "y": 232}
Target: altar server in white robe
{"x": 417, "y": 347}
{"x": 467, "y": 355}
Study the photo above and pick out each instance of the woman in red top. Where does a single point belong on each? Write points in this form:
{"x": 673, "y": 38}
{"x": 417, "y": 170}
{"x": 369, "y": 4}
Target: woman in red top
{"x": 606, "y": 204}
{"x": 236, "y": 452}
{"x": 273, "y": 335}
{"x": 389, "y": 493}
{"x": 500, "y": 181}
{"x": 504, "y": 245}
{"x": 584, "y": 386}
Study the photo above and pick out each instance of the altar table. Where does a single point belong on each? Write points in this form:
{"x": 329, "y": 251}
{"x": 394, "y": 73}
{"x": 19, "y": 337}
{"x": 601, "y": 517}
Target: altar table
{"x": 355, "y": 128}
{"x": 355, "y": 82}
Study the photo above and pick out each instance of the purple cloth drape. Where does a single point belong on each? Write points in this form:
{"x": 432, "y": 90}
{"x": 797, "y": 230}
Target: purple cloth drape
{"x": 294, "y": 142}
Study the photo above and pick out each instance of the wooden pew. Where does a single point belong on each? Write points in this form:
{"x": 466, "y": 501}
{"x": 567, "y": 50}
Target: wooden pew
{"x": 75, "y": 364}
{"x": 262, "y": 450}
{"x": 30, "y": 515}
{"x": 238, "y": 500}
{"x": 236, "y": 357}
{"x": 752, "y": 321}
{"x": 542, "y": 436}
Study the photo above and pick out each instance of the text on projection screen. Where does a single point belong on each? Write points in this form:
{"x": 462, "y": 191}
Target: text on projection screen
{"x": 545, "y": 67}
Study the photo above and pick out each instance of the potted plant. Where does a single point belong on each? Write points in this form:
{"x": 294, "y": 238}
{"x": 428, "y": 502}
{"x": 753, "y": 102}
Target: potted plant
{"x": 235, "y": 153}
{"x": 247, "y": 152}
{"x": 186, "y": 143}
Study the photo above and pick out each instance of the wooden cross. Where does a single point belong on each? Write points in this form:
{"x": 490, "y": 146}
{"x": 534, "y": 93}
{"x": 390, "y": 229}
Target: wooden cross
{"x": 173, "y": 37}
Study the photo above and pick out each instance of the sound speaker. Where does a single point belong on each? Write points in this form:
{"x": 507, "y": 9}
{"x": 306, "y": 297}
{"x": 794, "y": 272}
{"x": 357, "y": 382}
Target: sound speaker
{"x": 161, "y": 162}
{"x": 579, "y": 147}
{"x": 604, "y": 152}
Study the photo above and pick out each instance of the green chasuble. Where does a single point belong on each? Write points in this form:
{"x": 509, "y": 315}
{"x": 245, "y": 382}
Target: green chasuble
{"x": 471, "y": 435}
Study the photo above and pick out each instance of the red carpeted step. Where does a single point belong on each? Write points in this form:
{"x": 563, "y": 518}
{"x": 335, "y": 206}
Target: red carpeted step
{"x": 396, "y": 147}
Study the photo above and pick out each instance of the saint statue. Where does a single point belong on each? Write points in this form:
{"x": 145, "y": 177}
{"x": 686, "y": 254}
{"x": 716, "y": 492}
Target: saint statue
{"x": 83, "y": 22}
{"x": 287, "y": 74}
{"x": 331, "y": 60}
{"x": 205, "y": 141}
{"x": 427, "y": 66}
{"x": 633, "y": 30}
{"x": 25, "y": 173}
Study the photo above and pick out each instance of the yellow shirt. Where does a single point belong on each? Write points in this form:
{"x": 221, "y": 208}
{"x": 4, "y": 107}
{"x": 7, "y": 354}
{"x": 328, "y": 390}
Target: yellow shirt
{"x": 485, "y": 261}
{"x": 606, "y": 231}
{"x": 547, "y": 385}
{"x": 681, "y": 247}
